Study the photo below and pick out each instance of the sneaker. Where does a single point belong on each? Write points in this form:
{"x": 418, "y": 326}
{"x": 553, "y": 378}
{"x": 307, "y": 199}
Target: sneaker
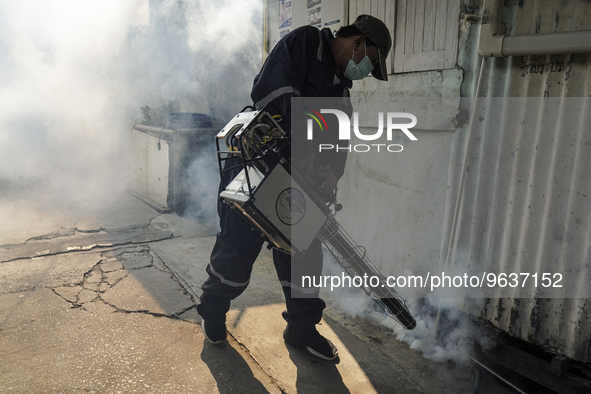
{"x": 315, "y": 343}
{"x": 216, "y": 334}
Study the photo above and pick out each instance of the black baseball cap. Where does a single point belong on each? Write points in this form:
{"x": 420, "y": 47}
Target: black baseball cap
{"x": 377, "y": 32}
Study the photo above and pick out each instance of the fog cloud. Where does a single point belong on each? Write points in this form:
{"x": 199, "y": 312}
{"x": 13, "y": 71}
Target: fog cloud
{"x": 443, "y": 331}
{"x": 75, "y": 74}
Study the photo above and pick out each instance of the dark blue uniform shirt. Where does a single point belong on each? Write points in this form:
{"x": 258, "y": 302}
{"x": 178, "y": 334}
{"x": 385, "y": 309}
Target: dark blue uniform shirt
{"x": 301, "y": 65}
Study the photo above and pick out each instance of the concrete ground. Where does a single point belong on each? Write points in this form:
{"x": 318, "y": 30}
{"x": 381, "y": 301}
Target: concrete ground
{"x": 103, "y": 301}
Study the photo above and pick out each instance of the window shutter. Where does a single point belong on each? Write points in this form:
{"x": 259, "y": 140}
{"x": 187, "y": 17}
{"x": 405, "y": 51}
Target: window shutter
{"x": 426, "y": 35}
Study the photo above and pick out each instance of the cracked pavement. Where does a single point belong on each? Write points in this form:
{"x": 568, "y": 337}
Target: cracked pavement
{"x": 117, "y": 279}
{"x": 92, "y": 309}
{"x": 104, "y": 302}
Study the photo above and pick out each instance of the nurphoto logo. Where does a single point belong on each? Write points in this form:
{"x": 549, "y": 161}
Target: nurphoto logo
{"x": 393, "y": 123}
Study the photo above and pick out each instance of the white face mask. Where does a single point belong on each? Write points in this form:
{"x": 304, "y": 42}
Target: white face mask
{"x": 358, "y": 71}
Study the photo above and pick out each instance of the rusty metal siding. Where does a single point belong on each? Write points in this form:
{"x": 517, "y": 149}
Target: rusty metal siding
{"x": 526, "y": 209}
{"x": 527, "y": 198}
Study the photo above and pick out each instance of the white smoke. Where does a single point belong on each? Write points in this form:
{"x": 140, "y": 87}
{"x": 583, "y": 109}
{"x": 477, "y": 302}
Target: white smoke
{"x": 74, "y": 76}
{"x": 203, "y": 177}
{"x": 226, "y": 36}
{"x": 56, "y": 125}
{"x": 443, "y": 332}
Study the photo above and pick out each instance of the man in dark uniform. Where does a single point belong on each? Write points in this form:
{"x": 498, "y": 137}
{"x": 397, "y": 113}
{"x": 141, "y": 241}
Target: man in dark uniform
{"x": 305, "y": 63}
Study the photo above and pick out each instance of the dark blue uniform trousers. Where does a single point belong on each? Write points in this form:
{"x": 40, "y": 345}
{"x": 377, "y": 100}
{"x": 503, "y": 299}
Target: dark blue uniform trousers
{"x": 234, "y": 253}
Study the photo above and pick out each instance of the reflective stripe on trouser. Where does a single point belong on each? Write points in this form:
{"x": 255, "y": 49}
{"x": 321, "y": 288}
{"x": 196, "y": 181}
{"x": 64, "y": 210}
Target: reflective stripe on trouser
{"x": 304, "y": 308}
{"x": 234, "y": 253}
{"x": 229, "y": 273}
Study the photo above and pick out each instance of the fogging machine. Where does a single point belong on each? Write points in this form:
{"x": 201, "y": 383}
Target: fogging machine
{"x": 285, "y": 207}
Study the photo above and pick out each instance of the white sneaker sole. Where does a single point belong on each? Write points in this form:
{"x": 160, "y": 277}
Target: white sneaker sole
{"x": 218, "y": 342}
{"x": 322, "y": 356}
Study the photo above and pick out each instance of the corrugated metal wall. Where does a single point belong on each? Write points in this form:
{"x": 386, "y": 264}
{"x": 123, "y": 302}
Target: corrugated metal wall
{"x": 526, "y": 202}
